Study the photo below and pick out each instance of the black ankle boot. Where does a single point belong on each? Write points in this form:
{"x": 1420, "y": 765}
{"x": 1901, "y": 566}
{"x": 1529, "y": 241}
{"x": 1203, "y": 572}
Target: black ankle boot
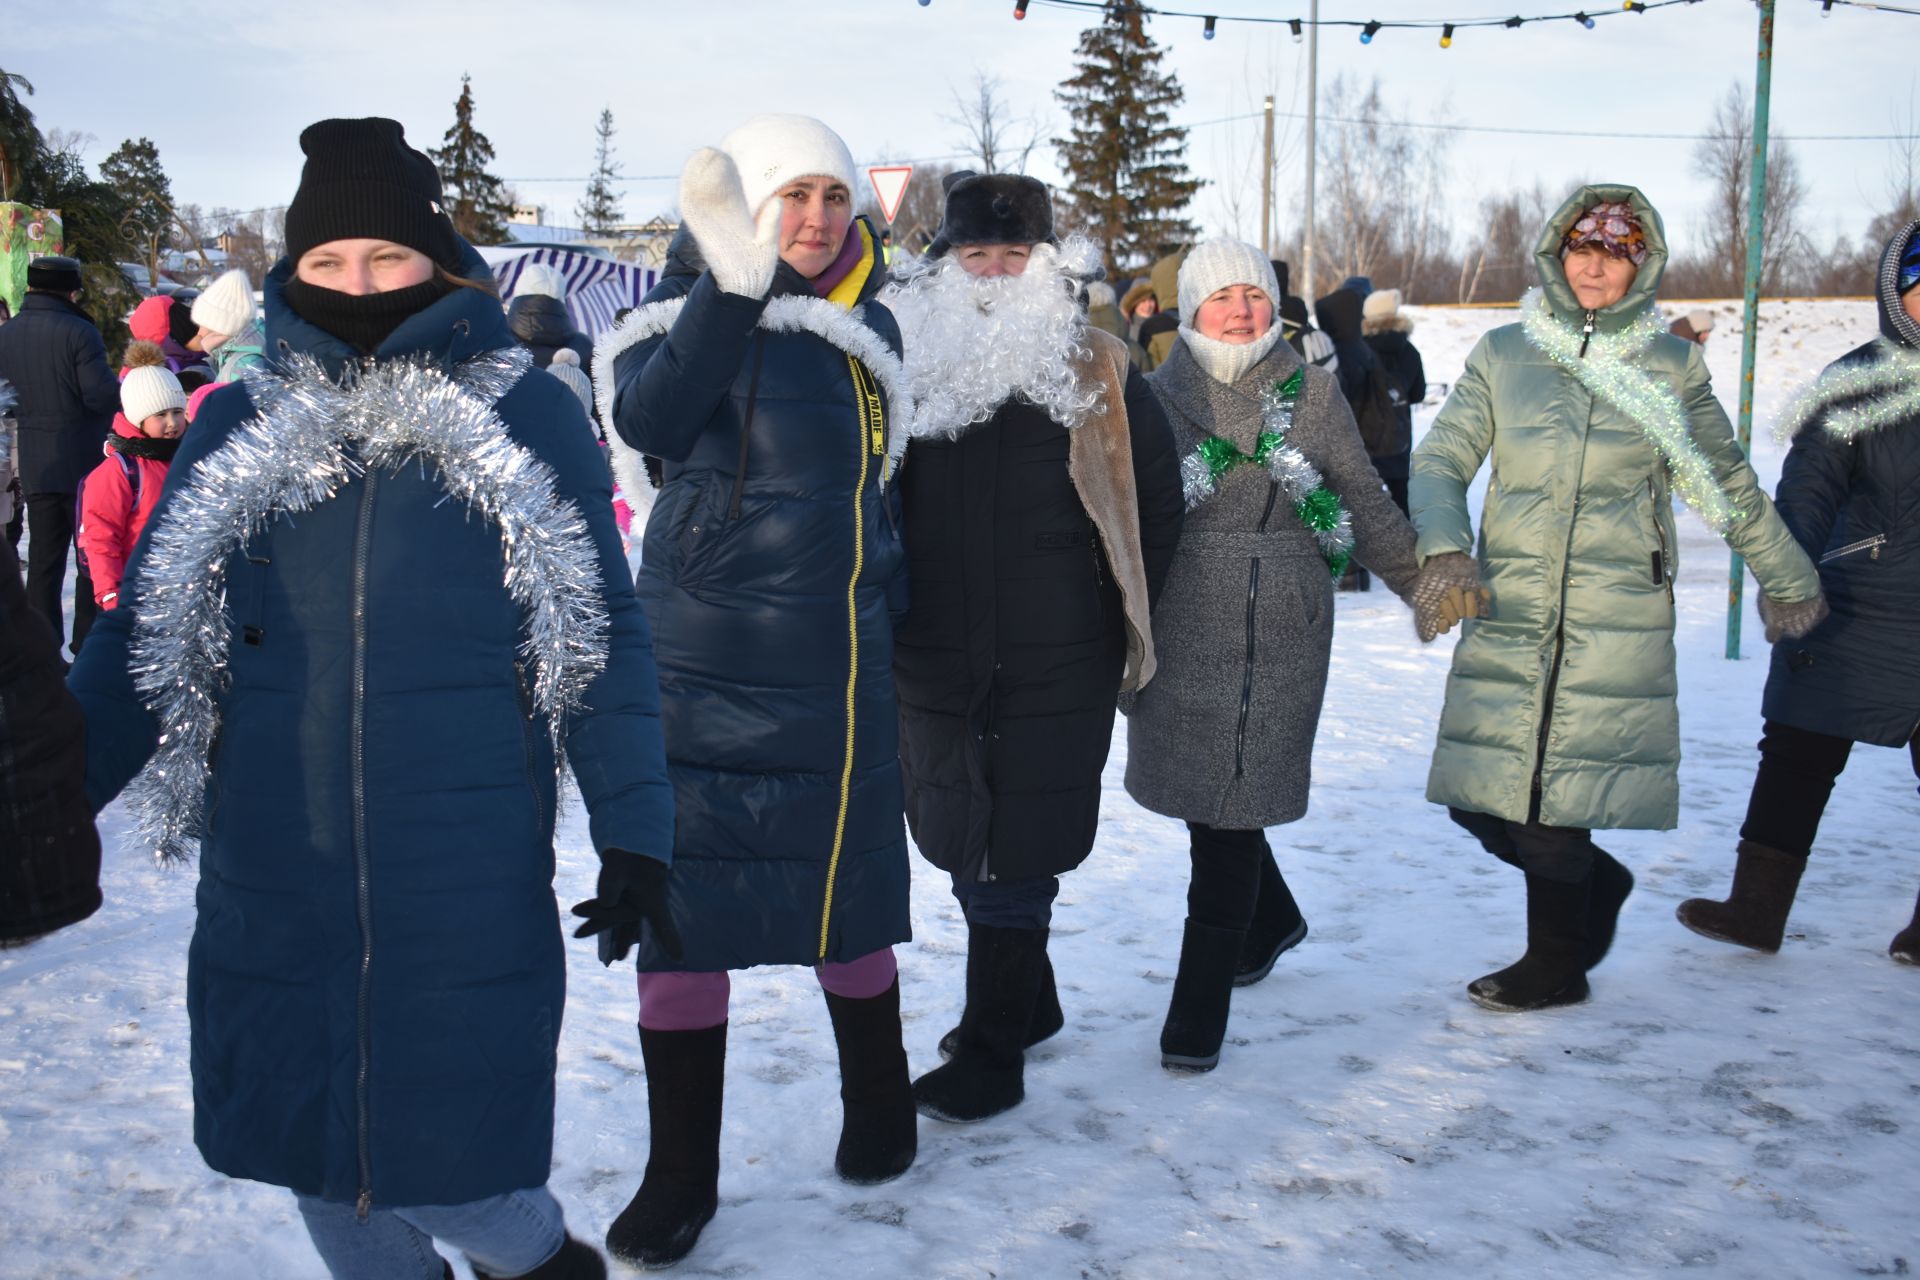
{"x": 1047, "y": 1019}
{"x": 686, "y": 1072}
{"x": 577, "y": 1260}
{"x": 879, "y": 1128}
{"x": 1612, "y": 882}
{"x": 987, "y": 1072}
{"x": 1202, "y": 997}
{"x": 1553, "y": 972}
{"x": 1277, "y": 927}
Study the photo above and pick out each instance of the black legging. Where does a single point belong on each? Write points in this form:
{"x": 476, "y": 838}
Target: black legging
{"x": 1552, "y": 853}
{"x": 1790, "y": 792}
{"x": 1226, "y": 875}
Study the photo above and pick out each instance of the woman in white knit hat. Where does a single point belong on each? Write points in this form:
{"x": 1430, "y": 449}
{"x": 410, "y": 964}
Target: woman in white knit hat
{"x": 762, "y": 374}
{"x": 231, "y": 332}
{"x": 1280, "y": 495}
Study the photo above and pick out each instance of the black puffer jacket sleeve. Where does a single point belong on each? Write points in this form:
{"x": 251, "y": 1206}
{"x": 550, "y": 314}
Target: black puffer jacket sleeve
{"x": 1156, "y": 481}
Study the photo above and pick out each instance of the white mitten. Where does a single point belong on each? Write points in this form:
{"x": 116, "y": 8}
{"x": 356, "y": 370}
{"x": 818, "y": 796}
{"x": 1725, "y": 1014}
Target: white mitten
{"x": 741, "y": 252}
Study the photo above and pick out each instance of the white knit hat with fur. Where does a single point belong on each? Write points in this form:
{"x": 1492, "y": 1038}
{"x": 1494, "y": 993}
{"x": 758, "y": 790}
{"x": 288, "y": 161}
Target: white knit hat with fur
{"x": 541, "y": 279}
{"x": 1381, "y": 304}
{"x": 148, "y": 390}
{"x": 227, "y": 305}
{"x": 772, "y": 150}
{"x": 1214, "y": 264}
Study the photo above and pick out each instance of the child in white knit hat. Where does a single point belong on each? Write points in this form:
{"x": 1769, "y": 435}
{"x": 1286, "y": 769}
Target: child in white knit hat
{"x": 230, "y": 330}
{"x": 121, "y": 492}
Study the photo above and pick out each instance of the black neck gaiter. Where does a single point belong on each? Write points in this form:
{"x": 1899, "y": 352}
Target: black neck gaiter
{"x": 153, "y": 447}
{"x": 364, "y": 320}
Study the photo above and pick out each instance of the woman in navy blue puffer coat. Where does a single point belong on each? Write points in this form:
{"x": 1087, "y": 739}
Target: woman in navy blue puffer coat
{"x": 760, "y": 373}
{"x": 422, "y": 578}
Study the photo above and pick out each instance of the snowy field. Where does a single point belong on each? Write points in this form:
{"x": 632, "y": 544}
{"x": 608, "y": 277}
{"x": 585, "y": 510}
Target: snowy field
{"x": 1710, "y": 1109}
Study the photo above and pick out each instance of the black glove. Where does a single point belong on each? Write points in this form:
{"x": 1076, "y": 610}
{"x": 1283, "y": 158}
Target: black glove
{"x": 632, "y": 892}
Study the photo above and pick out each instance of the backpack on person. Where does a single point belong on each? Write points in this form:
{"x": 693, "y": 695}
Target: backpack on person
{"x": 1385, "y": 423}
{"x": 131, "y": 470}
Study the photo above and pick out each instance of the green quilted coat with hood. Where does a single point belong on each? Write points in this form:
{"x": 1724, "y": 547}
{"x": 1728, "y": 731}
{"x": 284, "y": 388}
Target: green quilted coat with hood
{"x": 1563, "y": 697}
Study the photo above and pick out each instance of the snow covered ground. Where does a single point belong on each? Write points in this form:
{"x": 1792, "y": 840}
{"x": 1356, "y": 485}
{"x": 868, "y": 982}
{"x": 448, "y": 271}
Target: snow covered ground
{"x": 1709, "y": 1109}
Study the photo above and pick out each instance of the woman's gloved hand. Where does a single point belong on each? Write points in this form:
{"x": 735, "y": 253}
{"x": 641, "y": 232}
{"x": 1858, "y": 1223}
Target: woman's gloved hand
{"x": 1790, "y": 621}
{"x": 632, "y": 892}
{"x": 1447, "y": 591}
{"x": 741, "y": 245}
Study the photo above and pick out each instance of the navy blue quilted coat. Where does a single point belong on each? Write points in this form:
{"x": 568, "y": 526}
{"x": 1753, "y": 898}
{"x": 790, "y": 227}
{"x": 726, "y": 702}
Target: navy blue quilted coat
{"x": 1854, "y": 506}
{"x": 376, "y": 975}
{"x": 768, "y": 590}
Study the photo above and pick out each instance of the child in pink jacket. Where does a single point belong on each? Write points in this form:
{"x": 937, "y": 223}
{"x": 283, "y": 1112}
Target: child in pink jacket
{"x": 121, "y": 492}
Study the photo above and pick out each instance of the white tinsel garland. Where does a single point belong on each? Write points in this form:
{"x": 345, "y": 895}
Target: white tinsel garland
{"x": 1858, "y": 396}
{"x": 1610, "y": 370}
{"x": 308, "y": 438}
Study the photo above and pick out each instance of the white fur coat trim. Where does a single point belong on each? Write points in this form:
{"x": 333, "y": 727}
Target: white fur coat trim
{"x": 789, "y": 313}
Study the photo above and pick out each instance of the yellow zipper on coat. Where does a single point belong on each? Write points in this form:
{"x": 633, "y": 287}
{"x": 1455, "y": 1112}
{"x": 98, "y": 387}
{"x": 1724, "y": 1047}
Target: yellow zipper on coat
{"x": 873, "y": 437}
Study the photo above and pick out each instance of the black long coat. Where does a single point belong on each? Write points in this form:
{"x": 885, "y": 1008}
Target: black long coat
{"x": 1854, "y": 506}
{"x": 1400, "y": 361}
{"x": 57, "y": 363}
{"x": 542, "y": 325}
{"x": 1011, "y": 657}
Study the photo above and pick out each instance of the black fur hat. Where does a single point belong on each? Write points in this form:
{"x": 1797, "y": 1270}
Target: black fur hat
{"x": 993, "y": 208}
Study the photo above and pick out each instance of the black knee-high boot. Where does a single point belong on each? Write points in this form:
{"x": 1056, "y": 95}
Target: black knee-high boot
{"x": 986, "y": 1074}
{"x": 1277, "y": 927}
{"x": 1553, "y": 972}
{"x": 686, "y": 1075}
{"x": 879, "y": 1128}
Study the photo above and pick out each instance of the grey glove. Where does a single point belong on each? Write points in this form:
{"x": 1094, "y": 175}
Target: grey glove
{"x": 741, "y": 245}
{"x": 1789, "y": 620}
{"x": 1447, "y": 590}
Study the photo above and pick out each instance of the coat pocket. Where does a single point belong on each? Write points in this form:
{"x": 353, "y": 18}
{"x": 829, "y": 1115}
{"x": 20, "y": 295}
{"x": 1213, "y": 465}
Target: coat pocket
{"x": 1869, "y": 547}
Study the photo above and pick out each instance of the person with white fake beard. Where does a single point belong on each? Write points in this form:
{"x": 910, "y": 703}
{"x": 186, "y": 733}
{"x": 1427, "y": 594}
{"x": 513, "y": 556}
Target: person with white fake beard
{"x": 1042, "y": 504}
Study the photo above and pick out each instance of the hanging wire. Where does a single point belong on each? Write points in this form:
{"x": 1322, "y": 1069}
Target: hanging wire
{"x": 1370, "y": 26}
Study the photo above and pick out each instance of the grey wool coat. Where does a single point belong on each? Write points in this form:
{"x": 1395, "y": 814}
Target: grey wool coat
{"x": 1243, "y": 630}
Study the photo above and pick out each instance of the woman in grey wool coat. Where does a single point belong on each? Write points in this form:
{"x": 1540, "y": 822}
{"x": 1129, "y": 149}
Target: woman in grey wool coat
{"x": 1280, "y": 494}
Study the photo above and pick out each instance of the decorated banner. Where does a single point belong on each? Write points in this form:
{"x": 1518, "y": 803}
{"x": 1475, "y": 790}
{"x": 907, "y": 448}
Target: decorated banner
{"x": 26, "y": 233}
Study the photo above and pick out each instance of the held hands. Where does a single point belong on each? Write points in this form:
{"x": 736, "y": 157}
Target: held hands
{"x": 742, "y": 252}
{"x": 632, "y": 891}
{"x": 1447, "y": 591}
{"x": 1790, "y": 621}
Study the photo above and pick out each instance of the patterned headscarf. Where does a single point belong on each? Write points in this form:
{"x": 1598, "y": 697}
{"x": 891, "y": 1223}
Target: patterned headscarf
{"x": 1910, "y": 265}
{"x": 1611, "y": 225}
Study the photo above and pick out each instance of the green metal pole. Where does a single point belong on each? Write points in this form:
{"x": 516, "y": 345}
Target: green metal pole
{"x": 1750, "y": 328}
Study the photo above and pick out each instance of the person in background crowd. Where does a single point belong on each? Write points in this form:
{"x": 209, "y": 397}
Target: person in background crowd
{"x": 11, "y": 512}
{"x": 1278, "y": 495}
{"x": 424, "y": 603}
{"x": 1695, "y": 326}
{"x": 122, "y": 491}
{"x": 1161, "y": 329}
{"x": 1102, "y": 311}
{"x": 1137, "y": 307}
{"x": 539, "y": 320}
{"x": 230, "y": 331}
{"x": 1042, "y": 502}
{"x": 66, "y": 396}
{"x": 1404, "y": 378}
{"x": 1357, "y": 370}
{"x": 168, "y": 324}
{"x": 1359, "y": 286}
{"x": 763, "y": 373}
{"x": 1560, "y": 715}
{"x": 1850, "y": 492}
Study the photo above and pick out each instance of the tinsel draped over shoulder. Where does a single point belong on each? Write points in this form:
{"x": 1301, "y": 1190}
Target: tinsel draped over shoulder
{"x": 1865, "y": 392}
{"x": 1608, "y": 366}
{"x": 311, "y": 435}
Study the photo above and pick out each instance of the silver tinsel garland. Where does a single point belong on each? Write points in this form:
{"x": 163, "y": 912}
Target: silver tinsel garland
{"x": 309, "y": 437}
{"x": 1298, "y": 478}
{"x": 1610, "y": 370}
{"x": 1856, "y": 397}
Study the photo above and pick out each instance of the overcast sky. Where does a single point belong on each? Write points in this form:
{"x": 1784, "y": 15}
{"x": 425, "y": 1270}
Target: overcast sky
{"x": 223, "y": 89}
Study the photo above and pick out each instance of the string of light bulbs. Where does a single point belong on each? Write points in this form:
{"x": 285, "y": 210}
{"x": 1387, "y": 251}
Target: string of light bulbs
{"x": 1826, "y": 7}
{"x": 1372, "y": 27}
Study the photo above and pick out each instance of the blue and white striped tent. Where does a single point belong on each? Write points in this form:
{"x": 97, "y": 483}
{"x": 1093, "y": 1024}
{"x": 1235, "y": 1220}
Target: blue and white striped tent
{"x": 598, "y": 288}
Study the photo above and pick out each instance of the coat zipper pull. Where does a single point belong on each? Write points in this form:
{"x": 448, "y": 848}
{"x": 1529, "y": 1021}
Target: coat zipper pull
{"x": 363, "y": 1204}
{"x": 1586, "y": 335}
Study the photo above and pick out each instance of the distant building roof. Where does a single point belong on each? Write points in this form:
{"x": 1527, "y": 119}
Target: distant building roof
{"x": 538, "y": 233}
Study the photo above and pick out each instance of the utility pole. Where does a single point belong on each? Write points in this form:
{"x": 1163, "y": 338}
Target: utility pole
{"x": 1313, "y": 141}
{"x": 1750, "y": 336}
{"x": 1266, "y": 190}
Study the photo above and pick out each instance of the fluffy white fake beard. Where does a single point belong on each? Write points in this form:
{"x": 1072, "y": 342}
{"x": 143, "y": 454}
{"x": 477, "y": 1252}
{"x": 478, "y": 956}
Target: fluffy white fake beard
{"x": 971, "y": 344}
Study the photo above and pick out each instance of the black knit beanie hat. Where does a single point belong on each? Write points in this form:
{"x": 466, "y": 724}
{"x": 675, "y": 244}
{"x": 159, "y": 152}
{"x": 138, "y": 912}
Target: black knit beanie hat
{"x": 362, "y": 181}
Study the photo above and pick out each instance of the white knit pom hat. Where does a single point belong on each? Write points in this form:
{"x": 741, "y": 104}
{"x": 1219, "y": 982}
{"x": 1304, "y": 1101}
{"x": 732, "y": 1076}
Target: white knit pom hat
{"x": 227, "y": 305}
{"x": 772, "y": 150}
{"x": 148, "y": 390}
{"x": 1214, "y": 264}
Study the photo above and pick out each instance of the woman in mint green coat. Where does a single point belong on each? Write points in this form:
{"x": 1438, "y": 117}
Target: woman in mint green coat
{"x": 1560, "y": 716}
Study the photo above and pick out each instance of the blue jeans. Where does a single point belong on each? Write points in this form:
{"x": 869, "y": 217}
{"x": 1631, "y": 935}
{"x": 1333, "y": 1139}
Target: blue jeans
{"x": 1008, "y": 904}
{"x": 505, "y": 1235}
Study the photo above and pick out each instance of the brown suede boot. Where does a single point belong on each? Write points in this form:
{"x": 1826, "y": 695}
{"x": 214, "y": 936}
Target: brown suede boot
{"x": 1755, "y": 912}
{"x": 1906, "y": 943}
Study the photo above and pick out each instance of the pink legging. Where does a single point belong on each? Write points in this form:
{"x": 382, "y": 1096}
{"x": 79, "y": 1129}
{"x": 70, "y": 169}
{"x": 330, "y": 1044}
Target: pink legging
{"x": 693, "y": 1001}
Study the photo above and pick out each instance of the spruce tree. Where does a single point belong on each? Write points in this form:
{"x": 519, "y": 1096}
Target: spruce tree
{"x": 1125, "y": 162}
{"x": 599, "y": 210}
{"x": 146, "y": 197}
{"x": 475, "y": 198}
